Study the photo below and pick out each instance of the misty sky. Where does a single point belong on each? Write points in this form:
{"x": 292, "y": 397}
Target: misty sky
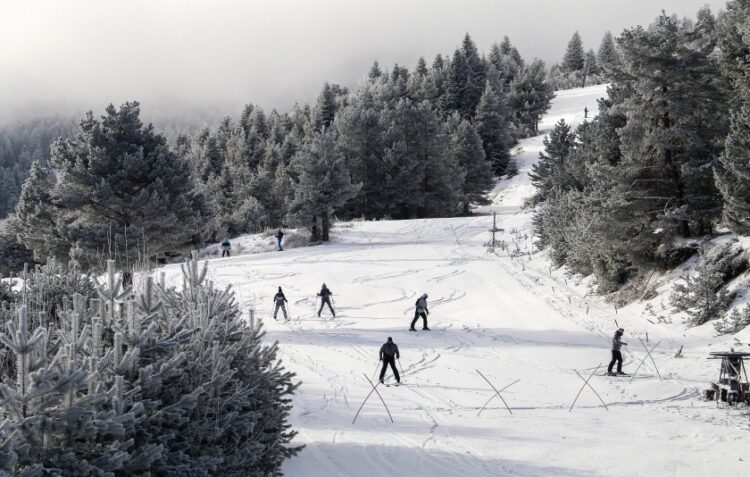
{"x": 88, "y": 53}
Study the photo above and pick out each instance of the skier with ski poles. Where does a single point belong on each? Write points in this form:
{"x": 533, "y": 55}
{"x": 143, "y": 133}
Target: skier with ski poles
{"x": 279, "y": 237}
{"x": 279, "y": 300}
{"x": 420, "y": 310}
{"x": 617, "y": 344}
{"x": 325, "y": 299}
{"x": 388, "y": 355}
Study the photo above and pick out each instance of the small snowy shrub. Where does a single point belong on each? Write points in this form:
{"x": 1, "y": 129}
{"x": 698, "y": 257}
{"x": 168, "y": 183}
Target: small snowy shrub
{"x": 171, "y": 382}
{"x": 704, "y": 298}
{"x": 735, "y": 322}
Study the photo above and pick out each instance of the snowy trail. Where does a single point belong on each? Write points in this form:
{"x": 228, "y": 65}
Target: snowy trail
{"x": 510, "y": 318}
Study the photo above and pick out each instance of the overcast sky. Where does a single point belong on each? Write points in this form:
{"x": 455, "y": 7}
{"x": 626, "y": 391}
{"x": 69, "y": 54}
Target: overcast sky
{"x": 87, "y": 53}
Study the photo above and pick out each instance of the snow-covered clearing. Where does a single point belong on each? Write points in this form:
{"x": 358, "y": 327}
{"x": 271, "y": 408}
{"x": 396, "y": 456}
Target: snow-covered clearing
{"x": 508, "y": 318}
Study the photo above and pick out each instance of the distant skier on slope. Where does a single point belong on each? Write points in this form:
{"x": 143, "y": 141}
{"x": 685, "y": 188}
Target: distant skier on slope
{"x": 420, "y": 310}
{"x": 617, "y": 343}
{"x": 279, "y": 299}
{"x": 585, "y": 112}
{"x": 225, "y": 247}
{"x": 279, "y": 237}
{"x": 388, "y": 355}
{"x": 325, "y": 299}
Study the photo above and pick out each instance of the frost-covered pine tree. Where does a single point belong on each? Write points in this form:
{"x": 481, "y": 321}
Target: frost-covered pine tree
{"x": 607, "y": 57}
{"x": 117, "y": 183}
{"x": 174, "y": 382}
{"x": 324, "y": 183}
{"x": 574, "y": 58}
{"x": 467, "y": 151}
{"x": 492, "y": 126}
{"x": 530, "y": 97}
{"x": 733, "y": 173}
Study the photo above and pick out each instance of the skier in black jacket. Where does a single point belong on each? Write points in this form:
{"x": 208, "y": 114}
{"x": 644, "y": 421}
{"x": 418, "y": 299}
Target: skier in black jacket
{"x": 325, "y": 299}
{"x": 279, "y": 237}
{"x": 420, "y": 310}
{"x": 279, "y": 300}
{"x": 389, "y": 355}
{"x": 617, "y": 344}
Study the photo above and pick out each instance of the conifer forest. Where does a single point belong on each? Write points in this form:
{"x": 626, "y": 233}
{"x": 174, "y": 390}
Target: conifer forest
{"x": 496, "y": 211}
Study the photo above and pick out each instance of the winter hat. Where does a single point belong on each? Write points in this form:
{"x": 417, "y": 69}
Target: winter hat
{"x": 621, "y": 330}
{"x": 424, "y": 295}
{"x": 390, "y": 340}
{"x": 279, "y": 289}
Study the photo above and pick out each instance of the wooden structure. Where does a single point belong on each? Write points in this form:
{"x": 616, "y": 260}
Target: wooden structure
{"x": 733, "y": 386}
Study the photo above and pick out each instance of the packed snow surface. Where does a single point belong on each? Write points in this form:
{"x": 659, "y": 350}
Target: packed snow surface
{"x": 510, "y": 318}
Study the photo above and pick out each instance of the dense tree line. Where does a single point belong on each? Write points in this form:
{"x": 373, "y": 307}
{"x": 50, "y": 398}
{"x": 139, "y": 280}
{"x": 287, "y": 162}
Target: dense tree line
{"x": 665, "y": 160}
{"x": 23, "y": 142}
{"x": 579, "y": 67}
{"x": 401, "y": 144}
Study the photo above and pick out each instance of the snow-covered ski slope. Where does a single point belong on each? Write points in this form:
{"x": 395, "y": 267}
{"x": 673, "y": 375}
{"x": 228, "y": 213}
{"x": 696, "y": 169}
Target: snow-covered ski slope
{"x": 509, "y": 318}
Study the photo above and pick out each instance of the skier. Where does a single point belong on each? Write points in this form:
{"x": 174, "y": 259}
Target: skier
{"x": 279, "y": 300}
{"x": 225, "y": 247}
{"x": 389, "y": 355}
{"x": 279, "y": 237}
{"x": 617, "y": 343}
{"x": 325, "y": 299}
{"x": 421, "y": 310}
{"x": 585, "y": 112}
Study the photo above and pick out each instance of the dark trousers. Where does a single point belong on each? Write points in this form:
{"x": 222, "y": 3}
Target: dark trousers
{"x": 225, "y": 253}
{"x": 324, "y": 300}
{"x": 616, "y": 357}
{"x": 392, "y": 361}
{"x": 417, "y": 314}
{"x": 276, "y": 310}
{"x": 278, "y": 242}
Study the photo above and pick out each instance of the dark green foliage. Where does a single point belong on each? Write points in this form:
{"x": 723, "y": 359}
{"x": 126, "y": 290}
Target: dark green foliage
{"x": 549, "y": 171}
{"x": 733, "y": 173}
{"x": 324, "y": 184}
{"x": 174, "y": 382}
{"x": 115, "y": 178}
{"x": 607, "y": 57}
{"x": 574, "y": 58}
{"x": 530, "y": 97}
{"x": 492, "y": 123}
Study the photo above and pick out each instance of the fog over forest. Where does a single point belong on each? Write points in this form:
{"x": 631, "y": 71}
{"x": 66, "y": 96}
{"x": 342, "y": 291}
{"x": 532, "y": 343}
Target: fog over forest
{"x": 180, "y": 56}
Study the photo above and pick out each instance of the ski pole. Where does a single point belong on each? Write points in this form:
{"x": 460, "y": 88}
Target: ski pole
{"x": 399, "y": 365}
{"x": 377, "y": 365}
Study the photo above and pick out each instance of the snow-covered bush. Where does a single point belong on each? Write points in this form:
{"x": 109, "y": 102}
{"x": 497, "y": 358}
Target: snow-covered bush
{"x": 735, "y": 322}
{"x": 171, "y": 382}
{"x": 705, "y": 298}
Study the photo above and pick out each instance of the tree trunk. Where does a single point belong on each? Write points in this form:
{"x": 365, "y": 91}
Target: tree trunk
{"x": 324, "y": 226}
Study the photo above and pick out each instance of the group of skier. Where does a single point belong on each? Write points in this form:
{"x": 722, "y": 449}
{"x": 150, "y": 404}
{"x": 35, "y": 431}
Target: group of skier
{"x": 280, "y": 301}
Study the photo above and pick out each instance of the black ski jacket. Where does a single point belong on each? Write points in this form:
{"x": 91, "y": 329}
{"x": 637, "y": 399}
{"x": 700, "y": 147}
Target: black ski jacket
{"x": 389, "y": 350}
{"x": 325, "y": 292}
{"x": 279, "y": 298}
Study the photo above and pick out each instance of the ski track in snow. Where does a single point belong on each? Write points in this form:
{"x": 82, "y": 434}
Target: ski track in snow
{"x": 511, "y": 317}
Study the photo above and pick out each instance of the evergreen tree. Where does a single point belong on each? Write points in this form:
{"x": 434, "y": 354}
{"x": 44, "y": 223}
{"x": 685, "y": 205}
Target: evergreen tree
{"x": 37, "y": 219}
{"x": 574, "y": 58}
{"x": 592, "y": 65}
{"x": 375, "y": 72}
{"x": 733, "y": 173}
{"x": 119, "y": 190}
{"x": 325, "y": 110}
{"x": 607, "y": 57}
{"x": 475, "y": 83}
{"x": 548, "y": 172}
{"x": 467, "y": 151}
{"x": 530, "y": 97}
{"x": 324, "y": 183}
{"x": 174, "y": 382}
{"x": 455, "y": 92}
{"x": 491, "y": 125}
